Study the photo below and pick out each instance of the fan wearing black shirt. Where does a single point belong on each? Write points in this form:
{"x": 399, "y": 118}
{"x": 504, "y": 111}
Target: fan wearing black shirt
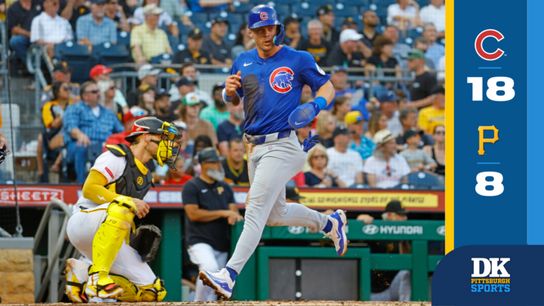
{"x": 193, "y": 53}
{"x": 19, "y": 19}
{"x": 209, "y": 211}
{"x": 235, "y": 165}
{"x": 346, "y": 53}
{"x": 424, "y": 83}
{"x": 318, "y": 47}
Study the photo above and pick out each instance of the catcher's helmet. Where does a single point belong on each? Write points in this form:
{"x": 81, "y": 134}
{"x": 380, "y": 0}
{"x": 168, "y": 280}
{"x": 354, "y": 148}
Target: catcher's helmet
{"x": 264, "y": 15}
{"x": 146, "y": 125}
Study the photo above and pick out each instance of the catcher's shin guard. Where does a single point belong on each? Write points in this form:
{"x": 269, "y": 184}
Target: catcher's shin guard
{"x": 76, "y": 276}
{"x": 106, "y": 244}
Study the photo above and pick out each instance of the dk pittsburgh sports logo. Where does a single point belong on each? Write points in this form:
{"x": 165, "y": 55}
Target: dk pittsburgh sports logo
{"x": 489, "y": 275}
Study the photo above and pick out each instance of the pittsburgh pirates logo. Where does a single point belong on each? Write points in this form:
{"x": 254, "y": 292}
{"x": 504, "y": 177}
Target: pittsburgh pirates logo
{"x": 140, "y": 180}
{"x": 280, "y": 80}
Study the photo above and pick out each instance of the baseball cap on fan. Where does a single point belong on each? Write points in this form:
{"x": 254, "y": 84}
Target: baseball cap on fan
{"x": 134, "y": 113}
{"x": 146, "y": 70}
{"x": 349, "y": 34}
{"x": 99, "y": 70}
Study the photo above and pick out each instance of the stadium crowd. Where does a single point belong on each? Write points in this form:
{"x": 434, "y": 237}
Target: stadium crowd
{"x": 374, "y": 135}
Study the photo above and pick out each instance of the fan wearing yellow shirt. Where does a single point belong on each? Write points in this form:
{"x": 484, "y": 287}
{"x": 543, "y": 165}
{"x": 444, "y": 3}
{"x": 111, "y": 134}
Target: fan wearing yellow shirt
{"x": 433, "y": 115}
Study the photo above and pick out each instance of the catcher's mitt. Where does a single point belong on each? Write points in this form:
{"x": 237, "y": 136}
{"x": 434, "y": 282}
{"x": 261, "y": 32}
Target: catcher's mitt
{"x": 146, "y": 241}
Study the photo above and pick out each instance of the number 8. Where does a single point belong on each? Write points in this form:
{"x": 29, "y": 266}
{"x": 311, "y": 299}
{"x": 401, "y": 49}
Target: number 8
{"x": 496, "y": 183}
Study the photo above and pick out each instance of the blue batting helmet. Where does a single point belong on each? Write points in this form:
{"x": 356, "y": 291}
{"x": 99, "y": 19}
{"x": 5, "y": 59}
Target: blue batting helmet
{"x": 264, "y": 15}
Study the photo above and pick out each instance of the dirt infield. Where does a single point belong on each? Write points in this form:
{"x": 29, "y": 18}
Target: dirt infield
{"x": 258, "y": 303}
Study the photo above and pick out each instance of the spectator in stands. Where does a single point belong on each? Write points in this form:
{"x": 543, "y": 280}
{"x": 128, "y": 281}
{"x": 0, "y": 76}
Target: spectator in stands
{"x": 377, "y": 122}
{"x": 195, "y": 146}
{"x": 107, "y": 98}
{"x": 215, "y": 43}
{"x": 146, "y": 99}
{"x": 148, "y": 41}
{"x": 326, "y": 123}
{"x": 389, "y": 108}
{"x": 86, "y": 127}
{"x": 19, "y": 21}
{"x": 433, "y": 115}
{"x": 190, "y": 111}
{"x": 382, "y": 62}
{"x": 178, "y": 10}
{"x": 129, "y": 117}
{"x": 318, "y": 47}
{"x": 319, "y": 175}
{"x": 385, "y": 168}
{"x": 404, "y": 14}
{"x": 339, "y": 79}
{"x": 325, "y": 14}
{"x": 51, "y": 141}
{"x": 2, "y": 18}
{"x": 114, "y": 11}
{"x": 189, "y": 71}
{"x": 435, "y": 13}
{"x": 193, "y": 53}
{"x": 363, "y": 145}
{"x": 95, "y": 28}
{"x": 346, "y": 53}
{"x": 438, "y": 150}
{"x": 341, "y": 106}
{"x": 244, "y": 41}
{"x": 177, "y": 176}
{"x": 165, "y": 20}
{"x": 216, "y": 113}
{"x": 435, "y": 51}
{"x": 184, "y": 86}
{"x": 417, "y": 159}
{"x": 41, "y": 32}
{"x": 400, "y": 50}
{"x": 370, "y": 22}
{"x": 390, "y": 285}
{"x": 235, "y": 165}
{"x": 293, "y": 37}
{"x": 162, "y": 106}
{"x": 230, "y": 128}
{"x": 408, "y": 120}
{"x": 306, "y": 95}
{"x": 345, "y": 162}
{"x": 424, "y": 82}
{"x": 148, "y": 77}
{"x": 349, "y": 23}
{"x": 71, "y": 10}
{"x": 61, "y": 73}
{"x": 422, "y": 45}
{"x": 101, "y": 73}
{"x": 209, "y": 209}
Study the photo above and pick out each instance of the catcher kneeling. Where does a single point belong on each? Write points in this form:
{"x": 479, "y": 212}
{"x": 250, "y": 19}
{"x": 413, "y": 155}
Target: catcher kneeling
{"x": 103, "y": 220}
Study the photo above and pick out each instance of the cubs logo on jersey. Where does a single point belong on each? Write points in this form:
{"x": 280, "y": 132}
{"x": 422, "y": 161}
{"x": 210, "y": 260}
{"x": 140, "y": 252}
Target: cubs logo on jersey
{"x": 281, "y": 78}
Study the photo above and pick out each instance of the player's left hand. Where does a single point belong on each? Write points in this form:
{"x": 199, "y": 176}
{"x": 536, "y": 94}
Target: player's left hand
{"x": 303, "y": 115}
{"x": 310, "y": 142}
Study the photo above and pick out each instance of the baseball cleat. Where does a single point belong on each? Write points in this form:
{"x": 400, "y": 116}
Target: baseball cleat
{"x": 102, "y": 289}
{"x": 76, "y": 276}
{"x": 219, "y": 281}
{"x": 338, "y": 231}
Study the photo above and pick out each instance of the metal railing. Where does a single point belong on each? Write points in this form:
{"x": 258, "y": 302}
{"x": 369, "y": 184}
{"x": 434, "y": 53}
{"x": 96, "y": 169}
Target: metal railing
{"x": 48, "y": 283}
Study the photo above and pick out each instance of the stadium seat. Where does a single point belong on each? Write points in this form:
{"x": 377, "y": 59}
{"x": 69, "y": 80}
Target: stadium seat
{"x": 242, "y": 7}
{"x": 108, "y": 54}
{"x": 198, "y": 18}
{"x": 424, "y": 180}
{"x": 79, "y": 59}
{"x": 123, "y": 38}
{"x": 304, "y": 9}
{"x": 355, "y": 2}
{"x": 283, "y": 10}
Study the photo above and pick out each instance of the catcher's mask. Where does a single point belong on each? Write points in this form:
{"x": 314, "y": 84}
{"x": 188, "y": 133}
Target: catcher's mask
{"x": 168, "y": 146}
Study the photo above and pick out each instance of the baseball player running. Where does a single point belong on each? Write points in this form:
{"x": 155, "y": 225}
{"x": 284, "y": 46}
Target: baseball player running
{"x": 269, "y": 81}
{"x": 104, "y": 219}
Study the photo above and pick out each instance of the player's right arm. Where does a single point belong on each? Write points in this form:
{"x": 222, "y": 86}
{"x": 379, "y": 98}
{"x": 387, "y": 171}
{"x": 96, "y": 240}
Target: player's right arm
{"x": 233, "y": 86}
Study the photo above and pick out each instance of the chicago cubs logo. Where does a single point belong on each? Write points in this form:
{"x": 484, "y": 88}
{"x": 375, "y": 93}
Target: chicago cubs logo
{"x": 263, "y": 15}
{"x": 280, "y": 79}
{"x": 479, "y": 42}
